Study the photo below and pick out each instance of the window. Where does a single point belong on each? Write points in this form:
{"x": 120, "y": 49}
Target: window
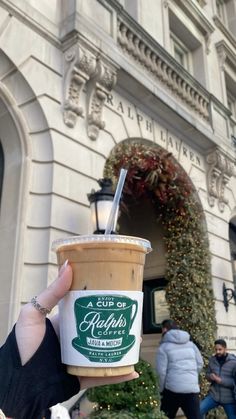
{"x": 181, "y": 53}
{"x": 227, "y": 63}
{"x": 131, "y": 7}
{"x": 226, "y": 11}
{"x": 221, "y": 11}
{"x": 1, "y": 169}
{"x": 232, "y": 240}
{"x": 232, "y": 107}
{"x": 231, "y": 104}
{"x": 155, "y": 307}
{"x": 188, "y": 39}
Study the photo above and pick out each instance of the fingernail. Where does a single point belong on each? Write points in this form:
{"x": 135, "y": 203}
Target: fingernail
{"x": 63, "y": 267}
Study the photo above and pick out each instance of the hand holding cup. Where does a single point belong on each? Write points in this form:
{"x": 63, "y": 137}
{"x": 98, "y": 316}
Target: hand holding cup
{"x": 31, "y": 326}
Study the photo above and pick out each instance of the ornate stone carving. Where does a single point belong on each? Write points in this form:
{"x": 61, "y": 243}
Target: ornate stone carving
{"x": 80, "y": 66}
{"x": 160, "y": 68}
{"x": 208, "y": 43}
{"x": 222, "y": 58}
{"x": 221, "y": 168}
{"x": 99, "y": 87}
{"x": 226, "y": 55}
{"x": 166, "y": 3}
{"x": 84, "y": 68}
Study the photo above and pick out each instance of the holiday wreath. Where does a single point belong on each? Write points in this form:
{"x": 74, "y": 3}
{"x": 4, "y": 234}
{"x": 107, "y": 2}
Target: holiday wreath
{"x": 154, "y": 174}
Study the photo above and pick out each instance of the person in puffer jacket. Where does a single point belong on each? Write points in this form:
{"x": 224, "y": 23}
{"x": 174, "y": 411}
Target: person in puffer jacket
{"x": 221, "y": 373}
{"x": 178, "y": 364}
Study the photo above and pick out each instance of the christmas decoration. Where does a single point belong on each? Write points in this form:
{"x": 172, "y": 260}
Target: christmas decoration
{"x": 151, "y": 174}
{"x": 155, "y": 175}
{"x": 133, "y": 399}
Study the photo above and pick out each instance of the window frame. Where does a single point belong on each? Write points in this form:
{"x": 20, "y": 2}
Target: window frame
{"x": 176, "y": 43}
{"x": 149, "y": 287}
{"x": 221, "y": 11}
{"x": 231, "y": 102}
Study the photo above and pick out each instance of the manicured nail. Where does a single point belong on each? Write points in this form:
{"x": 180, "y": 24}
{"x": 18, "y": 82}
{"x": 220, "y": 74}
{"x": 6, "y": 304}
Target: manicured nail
{"x": 63, "y": 267}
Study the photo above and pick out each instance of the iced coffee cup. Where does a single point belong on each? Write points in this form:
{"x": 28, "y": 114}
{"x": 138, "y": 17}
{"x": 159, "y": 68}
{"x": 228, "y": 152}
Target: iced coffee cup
{"x": 100, "y": 317}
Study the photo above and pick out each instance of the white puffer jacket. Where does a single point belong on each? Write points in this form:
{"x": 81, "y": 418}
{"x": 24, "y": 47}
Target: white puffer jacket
{"x": 178, "y": 363}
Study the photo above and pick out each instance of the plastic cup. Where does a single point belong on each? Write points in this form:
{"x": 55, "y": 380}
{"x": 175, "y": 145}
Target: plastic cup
{"x": 101, "y": 316}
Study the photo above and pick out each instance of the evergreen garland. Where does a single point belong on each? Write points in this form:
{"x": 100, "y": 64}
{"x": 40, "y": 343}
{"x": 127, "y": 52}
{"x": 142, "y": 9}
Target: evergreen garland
{"x": 138, "y": 398}
{"x": 154, "y": 174}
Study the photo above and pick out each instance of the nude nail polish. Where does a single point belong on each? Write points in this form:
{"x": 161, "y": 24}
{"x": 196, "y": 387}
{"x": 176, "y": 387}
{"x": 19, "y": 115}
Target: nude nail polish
{"x": 63, "y": 267}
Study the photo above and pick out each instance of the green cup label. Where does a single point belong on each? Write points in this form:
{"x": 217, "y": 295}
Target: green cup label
{"x": 101, "y": 327}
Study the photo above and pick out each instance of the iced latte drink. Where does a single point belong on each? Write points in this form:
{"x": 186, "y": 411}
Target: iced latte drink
{"x": 100, "y": 317}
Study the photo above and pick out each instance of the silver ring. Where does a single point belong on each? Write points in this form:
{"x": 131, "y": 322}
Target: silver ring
{"x": 38, "y": 306}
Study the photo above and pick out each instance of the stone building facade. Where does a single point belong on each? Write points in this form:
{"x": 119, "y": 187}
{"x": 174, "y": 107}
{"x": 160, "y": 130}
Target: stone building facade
{"x": 77, "y": 78}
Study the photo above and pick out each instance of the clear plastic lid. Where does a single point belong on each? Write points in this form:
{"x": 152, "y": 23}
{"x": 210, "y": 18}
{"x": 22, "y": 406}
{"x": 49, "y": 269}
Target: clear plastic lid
{"x": 102, "y": 238}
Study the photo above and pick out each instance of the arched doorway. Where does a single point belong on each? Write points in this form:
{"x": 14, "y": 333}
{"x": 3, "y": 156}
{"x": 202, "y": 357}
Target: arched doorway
{"x": 140, "y": 220}
{"x": 13, "y": 187}
{"x": 165, "y": 208}
{"x": 16, "y": 135}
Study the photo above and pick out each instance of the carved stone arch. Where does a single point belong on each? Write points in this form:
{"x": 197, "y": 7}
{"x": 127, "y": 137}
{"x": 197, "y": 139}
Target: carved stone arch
{"x": 17, "y": 150}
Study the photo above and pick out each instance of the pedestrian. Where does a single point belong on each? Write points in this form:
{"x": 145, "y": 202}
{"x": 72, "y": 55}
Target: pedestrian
{"x": 221, "y": 374}
{"x": 32, "y": 376}
{"x": 178, "y": 365}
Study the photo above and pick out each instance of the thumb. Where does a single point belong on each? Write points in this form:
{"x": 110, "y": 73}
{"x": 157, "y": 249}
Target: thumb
{"x": 49, "y": 297}
{"x": 58, "y": 289}
{"x": 30, "y": 327}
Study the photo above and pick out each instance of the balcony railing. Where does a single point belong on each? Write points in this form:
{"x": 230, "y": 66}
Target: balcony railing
{"x": 147, "y": 53}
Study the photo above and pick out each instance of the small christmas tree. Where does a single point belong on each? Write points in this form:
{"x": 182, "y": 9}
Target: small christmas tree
{"x": 133, "y": 399}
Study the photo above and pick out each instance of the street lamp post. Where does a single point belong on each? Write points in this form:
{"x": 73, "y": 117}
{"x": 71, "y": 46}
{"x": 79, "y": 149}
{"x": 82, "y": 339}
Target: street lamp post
{"x": 100, "y": 204}
{"x": 228, "y": 294}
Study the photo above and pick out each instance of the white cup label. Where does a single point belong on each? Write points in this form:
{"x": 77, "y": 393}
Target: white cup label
{"x": 100, "y": 328}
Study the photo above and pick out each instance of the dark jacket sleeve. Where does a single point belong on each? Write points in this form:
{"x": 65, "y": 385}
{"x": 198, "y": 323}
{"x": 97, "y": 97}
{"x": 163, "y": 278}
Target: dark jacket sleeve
{"x": 227, "y": 381}
{"x": 27, "y": 391}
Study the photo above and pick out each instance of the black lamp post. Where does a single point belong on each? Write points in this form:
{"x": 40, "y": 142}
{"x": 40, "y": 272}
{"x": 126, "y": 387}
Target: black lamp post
{"x": 100, "y": 204}
{"x": 228, "y": 294}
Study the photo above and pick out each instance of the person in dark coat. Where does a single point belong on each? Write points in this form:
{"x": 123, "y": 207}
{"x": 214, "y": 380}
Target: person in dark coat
{"x": 32, "y": 377}
{"x": 221, "y": 373}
